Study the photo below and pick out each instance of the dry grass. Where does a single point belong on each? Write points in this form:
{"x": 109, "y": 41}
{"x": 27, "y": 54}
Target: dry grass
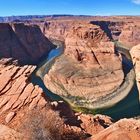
{"x": 42, "y": 125}
{"x": 46, "y": 124}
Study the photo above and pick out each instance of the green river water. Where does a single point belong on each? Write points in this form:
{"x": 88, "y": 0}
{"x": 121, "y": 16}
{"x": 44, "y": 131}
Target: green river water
{"x": 126, "y": 108}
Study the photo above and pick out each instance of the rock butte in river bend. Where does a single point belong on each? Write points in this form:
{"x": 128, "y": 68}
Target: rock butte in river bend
{"x": 86, "y": 45}
{"x": 84, "y": 70}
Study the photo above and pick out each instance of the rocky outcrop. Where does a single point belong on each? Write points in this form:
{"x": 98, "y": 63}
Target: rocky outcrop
{"x": 83, "y": 73}
{"x": 130, "y": 35}
{"x": 16, "y": 90}
{"x": 102, "y": 127}
{"x": 128, "y": 129}
{"x": 25, "y": 43}
{"x": 135, "y": 54}
{"x": 94, "y": 124}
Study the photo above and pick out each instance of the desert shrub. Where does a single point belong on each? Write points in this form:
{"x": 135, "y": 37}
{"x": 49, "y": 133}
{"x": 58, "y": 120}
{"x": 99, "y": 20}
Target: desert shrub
{"x": 42, "y": 125}
{"x": 46, "y": 124}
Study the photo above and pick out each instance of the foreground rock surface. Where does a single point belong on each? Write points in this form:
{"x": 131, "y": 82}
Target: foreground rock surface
{"x": 7, "y": 133}
{"x": 125, "y": 129}
{"x": 16, "y": 89}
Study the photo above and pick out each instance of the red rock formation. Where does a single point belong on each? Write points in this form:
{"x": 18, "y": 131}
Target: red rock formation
{"x": 111, "y": 28}
{"x": 125, "y": 129}
{"x": 130, "y": 35}
{"x": 7, "y": 133}
{"x": 16, "y": 90}
{"x": 23, "y": 42}
{"x": 84, "y": 71}
{"x": 94, "y": 124}
{"x": 135, "y": 54}
{"x": 56, "y": 30}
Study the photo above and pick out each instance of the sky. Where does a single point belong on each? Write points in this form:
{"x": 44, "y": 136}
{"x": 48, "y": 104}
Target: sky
{"x": 75, "y": 7}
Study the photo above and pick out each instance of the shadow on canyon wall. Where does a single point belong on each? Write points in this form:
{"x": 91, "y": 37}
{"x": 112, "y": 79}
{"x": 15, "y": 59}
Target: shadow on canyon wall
{"x": 112, "y": 29}
{"x": 104, "y": 25}
{"x": 25, "y": 43}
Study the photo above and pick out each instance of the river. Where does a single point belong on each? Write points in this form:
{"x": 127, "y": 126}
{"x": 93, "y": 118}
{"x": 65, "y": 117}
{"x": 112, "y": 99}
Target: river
{"x": 128, "y": 107}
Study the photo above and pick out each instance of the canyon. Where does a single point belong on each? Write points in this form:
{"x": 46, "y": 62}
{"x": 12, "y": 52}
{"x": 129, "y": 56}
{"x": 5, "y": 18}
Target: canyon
{"x": 88, "y": 70}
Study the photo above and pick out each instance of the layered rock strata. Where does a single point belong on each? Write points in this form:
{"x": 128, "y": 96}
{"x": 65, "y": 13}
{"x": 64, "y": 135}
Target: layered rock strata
{"x": 83, "y": 73}
{"x": 112, "y": 28}
{"x": 135, "y": 54}
{"x": 25, "y": 43}
{"x": 16, "y": 90}
{"x": 130, "y": 35}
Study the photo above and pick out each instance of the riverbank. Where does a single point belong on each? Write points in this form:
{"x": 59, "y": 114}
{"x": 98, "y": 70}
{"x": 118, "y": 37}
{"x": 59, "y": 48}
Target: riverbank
{"x": 103, "y": 103}
{"x": 44, "y": 66}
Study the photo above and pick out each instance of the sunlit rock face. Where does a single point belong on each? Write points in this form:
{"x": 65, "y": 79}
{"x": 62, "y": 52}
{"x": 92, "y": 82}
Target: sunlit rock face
{"x": 17, "y": 92}
{"x": 130, "y": 35}
{"x": 88, "y": 69}
{"x": 135, "y": 54}
{"x": 128, "y": 129}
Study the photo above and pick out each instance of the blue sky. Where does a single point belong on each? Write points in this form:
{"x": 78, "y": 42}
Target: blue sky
{"x": 78, "y": 7}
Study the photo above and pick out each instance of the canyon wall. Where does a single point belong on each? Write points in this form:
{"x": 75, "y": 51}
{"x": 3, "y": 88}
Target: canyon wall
{"x": 113, "y": 29}
{"x": 25, "y": 43}
{"x": 127, "y": 129}
{"x": 130, "y": 35}
{"x": 135, "y": 54}
{"x": 126, "y": 32}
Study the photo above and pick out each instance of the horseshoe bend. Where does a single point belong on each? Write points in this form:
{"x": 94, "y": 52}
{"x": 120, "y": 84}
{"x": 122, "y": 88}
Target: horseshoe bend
{"x": 70, "y": 69}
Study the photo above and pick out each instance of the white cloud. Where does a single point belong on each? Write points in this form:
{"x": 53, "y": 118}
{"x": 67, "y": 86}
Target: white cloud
{"x": 136, "y": 1}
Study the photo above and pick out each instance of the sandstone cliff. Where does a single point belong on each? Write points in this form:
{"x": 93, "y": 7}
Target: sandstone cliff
{"x": 130, "y": 35}
{"x": 135, "y": 54}
{"x": 83, "y": 73}
{"x": 112, "y": 28}
{"x": 57, "y": 29}
{"x": 16, "y": 90}
{"x": 23, "y": 42}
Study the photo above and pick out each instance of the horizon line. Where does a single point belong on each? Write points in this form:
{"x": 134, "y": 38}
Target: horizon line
{"x": 65, "y": 15}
